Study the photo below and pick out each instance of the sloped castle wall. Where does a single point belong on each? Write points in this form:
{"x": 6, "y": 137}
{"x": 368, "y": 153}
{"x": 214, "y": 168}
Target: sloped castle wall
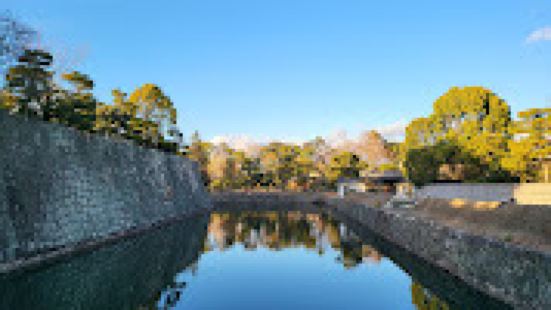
{"x": 60, "y": 187}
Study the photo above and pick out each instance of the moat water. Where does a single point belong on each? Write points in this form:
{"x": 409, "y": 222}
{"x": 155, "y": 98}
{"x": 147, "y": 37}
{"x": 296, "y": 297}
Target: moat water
{"x": 244, "y": 260}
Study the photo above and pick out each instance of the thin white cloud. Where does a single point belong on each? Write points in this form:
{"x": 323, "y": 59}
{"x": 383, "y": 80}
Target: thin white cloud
{"x": 239, "y": 142}
{"x": 542, "y": 34}
{"x": 234, "y": 141}
{"x": 337, "y": 137}
{"x": 249, "y": 144}
{"x": 393, "y": 132}
{"x": 341, "y": 138}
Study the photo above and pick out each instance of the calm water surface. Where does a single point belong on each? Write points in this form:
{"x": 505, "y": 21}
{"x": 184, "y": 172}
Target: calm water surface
{"x": 244, "y": 260}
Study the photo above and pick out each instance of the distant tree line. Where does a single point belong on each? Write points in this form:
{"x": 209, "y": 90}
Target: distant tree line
{"x": 311, "y": 166}
{"x": 469, "y": 137}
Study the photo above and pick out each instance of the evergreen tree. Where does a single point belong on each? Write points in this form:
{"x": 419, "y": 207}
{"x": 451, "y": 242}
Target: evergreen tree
{"x": 154, "y": 114}
{"x": 475, "y": 120}
{"x": 30, "y": 82}
{"x": 531, "y": 145}
{"x": 77, "y": 108}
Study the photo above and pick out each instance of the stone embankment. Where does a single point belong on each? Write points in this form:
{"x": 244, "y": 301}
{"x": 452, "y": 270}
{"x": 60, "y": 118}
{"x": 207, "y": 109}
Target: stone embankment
{"x": 517, "y": 275}
{"x": 62, "y": 190}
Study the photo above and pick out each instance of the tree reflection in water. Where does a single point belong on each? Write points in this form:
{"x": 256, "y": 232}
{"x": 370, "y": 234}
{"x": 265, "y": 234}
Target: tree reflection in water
{"x": 280, "y": 230}
{"x": 424, "y": 299}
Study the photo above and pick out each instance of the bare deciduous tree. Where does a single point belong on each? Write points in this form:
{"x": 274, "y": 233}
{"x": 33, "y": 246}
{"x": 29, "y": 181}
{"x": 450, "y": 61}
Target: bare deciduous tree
{"x": 15, "y": 37}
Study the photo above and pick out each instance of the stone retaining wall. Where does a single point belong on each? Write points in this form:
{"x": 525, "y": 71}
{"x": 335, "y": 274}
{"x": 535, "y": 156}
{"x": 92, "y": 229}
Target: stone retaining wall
{"x": 60, "y": 187}
{"x": 524, "y": 194}
{"x": 518, "y": 276}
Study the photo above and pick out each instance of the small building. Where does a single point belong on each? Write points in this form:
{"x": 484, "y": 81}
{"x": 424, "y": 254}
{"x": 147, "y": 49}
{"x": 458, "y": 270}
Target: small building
{"x": 385, "y": 180}
{"x": 347, "y": 185}
{"x": 373, "y": 181}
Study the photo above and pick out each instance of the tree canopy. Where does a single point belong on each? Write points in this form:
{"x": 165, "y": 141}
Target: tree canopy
{"x": 531, "y": 145}
{"x": 475, "y": 121}
{"x": 147, "y": 116}
{"x": 30, "y": 82}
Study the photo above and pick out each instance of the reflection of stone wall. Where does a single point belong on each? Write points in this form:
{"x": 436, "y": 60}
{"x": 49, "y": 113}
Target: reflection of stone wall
{"x": 125, "y": 275}
{"x": 518, "y": 276}
{"x": 456, "y": 293}
{"x": 59, "y": 187}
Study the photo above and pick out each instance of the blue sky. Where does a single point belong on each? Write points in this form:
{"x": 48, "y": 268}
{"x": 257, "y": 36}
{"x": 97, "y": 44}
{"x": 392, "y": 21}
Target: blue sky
{"x": 293, "y": 69}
